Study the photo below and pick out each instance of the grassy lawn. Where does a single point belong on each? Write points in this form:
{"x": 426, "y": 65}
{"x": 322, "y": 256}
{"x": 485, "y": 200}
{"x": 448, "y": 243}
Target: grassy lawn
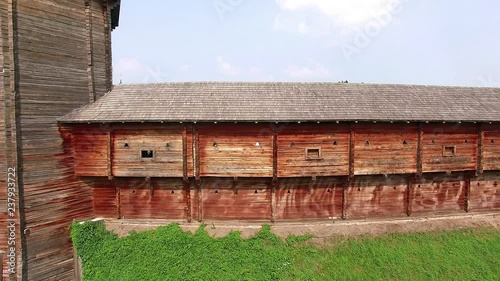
{"x": 168, "y": 253}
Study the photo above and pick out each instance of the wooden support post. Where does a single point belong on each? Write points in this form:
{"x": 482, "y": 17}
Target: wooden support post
{"x": 480, "y": 150}
{"x": 150, "y": 187}
{"x": 118, "y": 202}
{"x": 196, "y": 155}
{"x": 200, "y": 200}
{"x": 344, "y": 198}
{"x": 419, "y": 151}
{"x": 351, "y": 152}
{"x": 185, "y": 177}
{"x": 274, "y": 182}
{"x": 467, "y": 194}
{"x": 110, "y": 154}
{"x": 409, "y": 192}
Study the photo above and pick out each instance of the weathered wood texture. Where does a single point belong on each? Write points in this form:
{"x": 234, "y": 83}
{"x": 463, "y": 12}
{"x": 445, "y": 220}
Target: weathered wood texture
{"x": 235, "y": 150}
{"x": 244, "y": 199}
{"x": 377, "y": 196}
{"x": 331, "y": 140}
{"x": 5, "y": 158}
{"x": 47, "y": 69}
{"x": 165, "y": 143}
{"x": 90, "y": 146}
{"x": 485, "y": 193}
{"x": 104, "y": 194}
{"x": 385, "y": 149}
{"x": 491, "y": 148}
{"x": 439, "y": 194}
{"x": 153, "y": 199}
{"x": 304, "y": 199}
{"x": 449, "y": 147}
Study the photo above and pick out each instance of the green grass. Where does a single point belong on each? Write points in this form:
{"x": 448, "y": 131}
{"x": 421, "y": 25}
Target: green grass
{"x": 168, "y": 253}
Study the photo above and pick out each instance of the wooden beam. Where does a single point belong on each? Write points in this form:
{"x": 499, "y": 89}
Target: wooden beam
{"x": 187, "y": 189}
{"x": 409, "y": 192}
{"x": 90, "y": 53}
{"x": 274, "y": 182}
{"x": 467, "y": 194}
{"x": 200, "y": 200}
{"x": 419, "y": 151}
{"x": 118, "y": 202}
{"x": 184, "y": 154}
{"x": 196, "y": 152}
{"x": 344, "y": 198}
{"x": 351, "y": 151}
{"x": 480, "y": 150}
{"x": 110, "y": 153}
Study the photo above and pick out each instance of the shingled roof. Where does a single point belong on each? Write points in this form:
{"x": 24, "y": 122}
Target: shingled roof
{"x": 289, "y": 102}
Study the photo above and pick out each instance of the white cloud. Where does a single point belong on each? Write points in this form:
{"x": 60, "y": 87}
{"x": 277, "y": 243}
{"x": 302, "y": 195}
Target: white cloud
{"x": 343, "y": 12}
{"x": 307, "y": 72}
{"x": 227, "y": 68}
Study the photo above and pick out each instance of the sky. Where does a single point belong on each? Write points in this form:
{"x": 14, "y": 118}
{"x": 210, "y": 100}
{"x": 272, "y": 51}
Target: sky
{"x": 429, "y": 42}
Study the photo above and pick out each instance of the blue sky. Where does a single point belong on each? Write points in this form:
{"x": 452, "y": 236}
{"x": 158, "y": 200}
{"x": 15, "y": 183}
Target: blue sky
{"x": 435, "y": 42}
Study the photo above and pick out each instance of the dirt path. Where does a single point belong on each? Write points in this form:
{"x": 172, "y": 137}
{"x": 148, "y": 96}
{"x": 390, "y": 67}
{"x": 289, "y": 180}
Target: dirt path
{"x": 323, "y": 231}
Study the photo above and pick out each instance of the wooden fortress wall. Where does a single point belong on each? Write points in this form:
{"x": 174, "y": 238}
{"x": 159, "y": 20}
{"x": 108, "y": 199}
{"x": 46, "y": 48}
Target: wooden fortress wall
{"x": 55, "y": 56}
{"x": 281, "y": 172}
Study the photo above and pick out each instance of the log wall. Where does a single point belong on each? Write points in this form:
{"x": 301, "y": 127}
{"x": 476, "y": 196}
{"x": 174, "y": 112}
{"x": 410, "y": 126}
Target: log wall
{"x": 46, "y": 61}
{"x": 331, "y": 140}
{"x": 299, "y": 199}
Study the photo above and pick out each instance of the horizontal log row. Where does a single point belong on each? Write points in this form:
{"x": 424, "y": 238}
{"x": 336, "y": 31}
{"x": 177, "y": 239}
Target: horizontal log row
{"x": 299, "y": 150}
{"x": 293, "y": 199}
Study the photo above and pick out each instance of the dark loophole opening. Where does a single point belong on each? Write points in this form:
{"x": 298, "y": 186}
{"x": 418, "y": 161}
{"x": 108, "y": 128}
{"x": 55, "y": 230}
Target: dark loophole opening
{"x": 492, "y": 141}
{"x": 359, "y": 189}
{"x": 405, "y": 142}
{"x": 133, "y": 191}
{"x": 126, "y": 145}
{"x": 215, "y": 144}
{"x": 328, "y": 190}
{"x": 289, "y": 191}
{"x": 167, "y": 145}
{"x": 216, "y": 192}
{"x": 148, "y": 154}
{"x": 335, "y": 143}
{"x": 478, "y": 184}
{"x": 256, "y": 192}
{"x": 466, "y": 141}
{"x": 419, "y": 186}
{"x": 367, "y": 143}
{"x": 394, "y": 188}
{"x": 292, "y": 144}
{"x": 172, "y": 192}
